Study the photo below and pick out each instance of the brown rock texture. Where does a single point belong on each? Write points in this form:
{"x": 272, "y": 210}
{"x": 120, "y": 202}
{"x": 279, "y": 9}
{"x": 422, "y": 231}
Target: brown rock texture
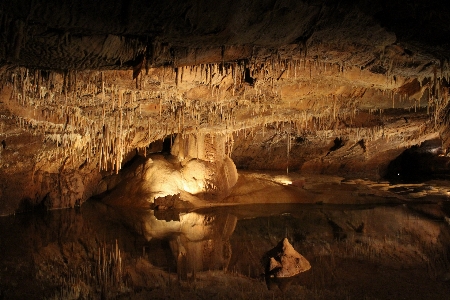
{"x": 322, "y": 87}
{"x": 286, "y": 261}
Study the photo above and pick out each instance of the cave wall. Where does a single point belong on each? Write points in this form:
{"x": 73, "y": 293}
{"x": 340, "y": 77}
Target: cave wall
{"x": 350, "y": 152}
{"x": 316, "y": 87}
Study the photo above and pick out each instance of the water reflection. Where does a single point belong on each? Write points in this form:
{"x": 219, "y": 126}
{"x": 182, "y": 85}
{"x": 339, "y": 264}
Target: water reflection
{"x": 198, "y": 241}
{"x": 354, "y": 250}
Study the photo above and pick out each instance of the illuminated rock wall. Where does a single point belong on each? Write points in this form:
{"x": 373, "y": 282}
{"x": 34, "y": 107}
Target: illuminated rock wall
{"x": 86, "y": 86}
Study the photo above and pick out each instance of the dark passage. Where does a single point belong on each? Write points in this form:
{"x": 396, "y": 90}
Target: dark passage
{"x": 419, "y": 164}
{"x": 167, "y": 144}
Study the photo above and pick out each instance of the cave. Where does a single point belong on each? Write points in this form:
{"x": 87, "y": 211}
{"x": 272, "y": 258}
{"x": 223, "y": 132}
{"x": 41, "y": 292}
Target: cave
{"x": 419, "y": 163}
{"x": 158, "y": 149}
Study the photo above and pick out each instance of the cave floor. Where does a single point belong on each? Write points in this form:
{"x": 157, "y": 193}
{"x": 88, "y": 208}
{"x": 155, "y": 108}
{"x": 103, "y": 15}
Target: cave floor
{"x": 282, "y": 187}
{"x": 364, "y": 240}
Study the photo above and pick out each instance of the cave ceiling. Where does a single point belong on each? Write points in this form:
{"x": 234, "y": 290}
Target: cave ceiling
{"x": 321, "y": 86}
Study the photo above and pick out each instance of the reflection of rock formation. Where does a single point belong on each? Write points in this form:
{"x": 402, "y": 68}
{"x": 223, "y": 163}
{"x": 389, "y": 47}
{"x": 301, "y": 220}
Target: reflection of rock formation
{"x": 198, "y": 241}
{"x": 204, "y": 242}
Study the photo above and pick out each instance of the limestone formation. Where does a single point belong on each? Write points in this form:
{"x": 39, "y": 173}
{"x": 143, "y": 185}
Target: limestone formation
{"x": 285, "y": 261}
{"x": 86, "y": 88}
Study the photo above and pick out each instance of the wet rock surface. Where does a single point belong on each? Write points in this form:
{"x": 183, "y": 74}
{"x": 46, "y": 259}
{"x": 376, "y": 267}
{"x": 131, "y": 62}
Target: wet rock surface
{"x": 284, "y": 261}
{"x": 133, "y": 101}
{"x": 84, "y": 86}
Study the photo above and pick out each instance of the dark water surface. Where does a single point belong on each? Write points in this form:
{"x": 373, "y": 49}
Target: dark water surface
{"x": 100, "y": 251}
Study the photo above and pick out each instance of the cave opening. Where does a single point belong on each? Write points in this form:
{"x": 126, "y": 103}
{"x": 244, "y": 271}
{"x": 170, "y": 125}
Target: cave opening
{"x": 167, "y": 144}
{"x": 248, "y": 78}
{"x": 338, "y": 143}
{"x": 419, "y": 164}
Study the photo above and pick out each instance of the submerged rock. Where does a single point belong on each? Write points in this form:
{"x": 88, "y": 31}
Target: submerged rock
{"x": 284, "y": 261}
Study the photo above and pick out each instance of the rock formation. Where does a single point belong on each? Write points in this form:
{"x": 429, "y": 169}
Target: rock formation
{"x": 284, "y": 261}
{"x": 327, "y": 87}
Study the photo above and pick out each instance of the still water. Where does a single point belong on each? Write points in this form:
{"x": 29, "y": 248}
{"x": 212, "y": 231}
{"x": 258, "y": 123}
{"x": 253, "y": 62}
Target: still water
{"x": 396, "y": 251}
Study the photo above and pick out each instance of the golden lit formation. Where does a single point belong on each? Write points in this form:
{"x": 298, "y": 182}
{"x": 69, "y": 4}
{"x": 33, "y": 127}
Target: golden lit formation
{"x": 272, "y": 149}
